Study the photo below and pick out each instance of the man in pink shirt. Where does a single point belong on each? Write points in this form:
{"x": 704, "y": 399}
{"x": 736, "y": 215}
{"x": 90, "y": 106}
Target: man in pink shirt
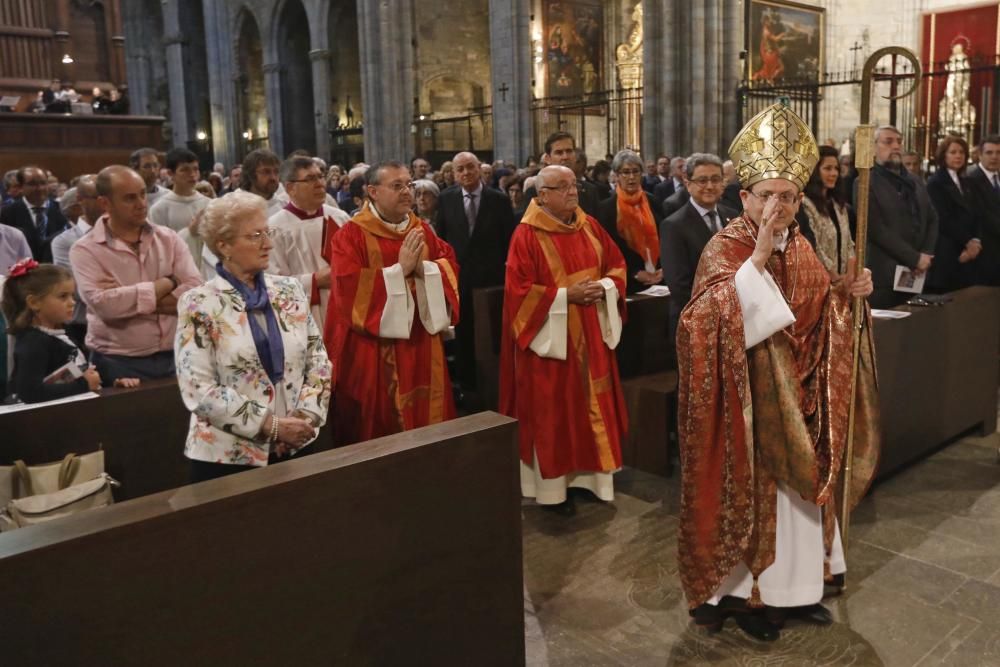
{"x": 130, "y": 274}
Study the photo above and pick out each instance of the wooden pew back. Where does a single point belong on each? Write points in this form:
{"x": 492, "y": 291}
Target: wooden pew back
{"x": 402, "y": 550}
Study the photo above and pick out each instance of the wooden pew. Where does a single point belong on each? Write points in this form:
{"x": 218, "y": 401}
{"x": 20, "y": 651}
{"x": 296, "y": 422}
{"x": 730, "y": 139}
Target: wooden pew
{"x": 402, "y": 550}
{"x": 142, "y": 432}
{"x": 937, "y": 374}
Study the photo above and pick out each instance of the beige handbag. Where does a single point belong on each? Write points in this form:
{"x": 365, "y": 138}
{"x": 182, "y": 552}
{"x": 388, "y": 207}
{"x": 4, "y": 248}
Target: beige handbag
{"x": 41, "y": 493}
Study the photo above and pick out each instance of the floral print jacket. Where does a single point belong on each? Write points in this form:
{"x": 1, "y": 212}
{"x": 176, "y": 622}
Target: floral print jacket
{"x": 222, "y": 380}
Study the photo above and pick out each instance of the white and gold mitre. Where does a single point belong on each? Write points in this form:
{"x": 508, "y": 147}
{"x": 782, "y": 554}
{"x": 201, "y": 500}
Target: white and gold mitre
{"x": 776, "y": 143}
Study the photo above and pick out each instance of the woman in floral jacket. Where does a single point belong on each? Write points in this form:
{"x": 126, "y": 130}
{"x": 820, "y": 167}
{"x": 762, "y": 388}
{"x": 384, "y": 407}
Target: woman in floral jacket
{"x": 251, "y": 363}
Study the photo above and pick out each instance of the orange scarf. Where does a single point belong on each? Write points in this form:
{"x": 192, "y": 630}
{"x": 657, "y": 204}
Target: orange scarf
{"x": 637, "y": 226}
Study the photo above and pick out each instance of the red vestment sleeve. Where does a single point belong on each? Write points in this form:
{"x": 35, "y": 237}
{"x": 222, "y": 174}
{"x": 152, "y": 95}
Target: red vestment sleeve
{"x": 359, "y": 289}
{"x": 442, "y": 254}
{"x": 527, "y": 299}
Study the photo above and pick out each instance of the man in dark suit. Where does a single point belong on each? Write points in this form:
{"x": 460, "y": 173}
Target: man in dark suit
{"x": 672, "y": 184}
{"x": 560, "y": 149}
{"x": 684, "y": 234}
{"x": 902, "y": 222}
{"x": 38, "y": 218}
{"x": 478, "y": 222}
{"x": 984, "y": 180}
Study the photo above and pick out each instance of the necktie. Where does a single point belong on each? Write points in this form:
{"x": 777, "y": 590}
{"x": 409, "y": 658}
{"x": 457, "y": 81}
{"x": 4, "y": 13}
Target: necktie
{"x": 713, "y": 221}
{"x": 996, "y": 182}
{"x": 40, "y": 220}
{"x": 470, "y": 211}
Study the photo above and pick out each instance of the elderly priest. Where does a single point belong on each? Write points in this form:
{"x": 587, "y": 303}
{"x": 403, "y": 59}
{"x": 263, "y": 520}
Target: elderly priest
{"x": 563, "y": 301}
{"x": 764, "y": 356}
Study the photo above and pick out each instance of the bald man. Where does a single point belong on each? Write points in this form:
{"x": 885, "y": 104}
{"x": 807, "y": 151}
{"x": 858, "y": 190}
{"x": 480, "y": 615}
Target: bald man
{"x": 477, "y": 221}
{"x": 130, "y": 274}
{"x": 563, "y": 301}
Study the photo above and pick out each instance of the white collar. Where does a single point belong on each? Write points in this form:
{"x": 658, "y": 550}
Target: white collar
{"x": 989, "y": 174}
{"x": 702, "y": 211}
{"x": 478, "y": 191}
{"x": 397, "y": 226}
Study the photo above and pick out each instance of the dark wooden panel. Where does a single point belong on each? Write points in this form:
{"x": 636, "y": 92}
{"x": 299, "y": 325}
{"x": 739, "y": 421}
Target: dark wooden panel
{"x": 645, "y": 344}
{"x": 937, "y": 374}
{"x": 142, "y": 432}
{"x": 73, "y": 145}
{"x": 399, "y": 551}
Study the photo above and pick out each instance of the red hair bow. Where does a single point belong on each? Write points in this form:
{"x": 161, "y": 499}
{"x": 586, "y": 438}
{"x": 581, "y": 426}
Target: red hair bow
{"x": 22, "y": 267}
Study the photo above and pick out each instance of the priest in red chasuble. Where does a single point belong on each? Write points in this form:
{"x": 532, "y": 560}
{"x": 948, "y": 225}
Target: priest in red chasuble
{"x": 764, "y": 356}
{"x": 395, "y": 291}
{"x": 564, "y": 300}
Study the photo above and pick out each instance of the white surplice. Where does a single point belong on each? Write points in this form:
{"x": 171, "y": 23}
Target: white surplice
{"x": 298, "y": 250}
{"x": 796, "y": 576}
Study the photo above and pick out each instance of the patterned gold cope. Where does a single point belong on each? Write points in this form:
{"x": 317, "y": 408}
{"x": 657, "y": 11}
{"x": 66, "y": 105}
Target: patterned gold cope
{"x": 776, "y": 143}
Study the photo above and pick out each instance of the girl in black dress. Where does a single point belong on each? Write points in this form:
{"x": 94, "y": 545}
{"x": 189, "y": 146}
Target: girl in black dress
{"x": 37, "y": 302}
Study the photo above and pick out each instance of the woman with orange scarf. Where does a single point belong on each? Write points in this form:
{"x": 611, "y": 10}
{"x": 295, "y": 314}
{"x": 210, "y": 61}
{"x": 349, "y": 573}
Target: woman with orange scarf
{"x": 631, "y": 216}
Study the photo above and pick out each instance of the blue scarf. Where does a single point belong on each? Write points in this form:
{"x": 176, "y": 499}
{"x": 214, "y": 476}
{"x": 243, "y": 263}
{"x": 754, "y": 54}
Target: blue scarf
{"x": 270, "y": 347}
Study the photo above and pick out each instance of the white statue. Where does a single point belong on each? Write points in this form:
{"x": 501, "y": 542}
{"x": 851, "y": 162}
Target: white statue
{"x": 956, "y": 115}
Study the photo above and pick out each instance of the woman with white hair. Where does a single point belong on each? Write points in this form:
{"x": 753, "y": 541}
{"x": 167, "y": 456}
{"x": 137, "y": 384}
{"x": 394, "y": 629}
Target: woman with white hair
{"x": 251, "y": 364}
{"x": 426, "y": 193}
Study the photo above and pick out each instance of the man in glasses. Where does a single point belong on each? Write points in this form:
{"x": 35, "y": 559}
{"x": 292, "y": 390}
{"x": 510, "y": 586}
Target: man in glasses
{"x": 560, "y": 149}
{"x": 130, "y": 274}
{"x": 764, "y": 353}
{"x": 563, "y": 300}
{"x": 902, "y": 221}
{"x": 684, "y": 234}
{"x": 38, "y": 218}
{"x": 395, "y": 285}
{"x": 302, "y": 232}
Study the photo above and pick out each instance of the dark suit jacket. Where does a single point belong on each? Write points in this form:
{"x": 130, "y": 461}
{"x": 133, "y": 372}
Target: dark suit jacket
{"x": 608, "y": 217}
{"x": 987, "y": 205}
{"x": 731, "y": 197}
{"x": 482, "y": 257}
{"x": 664, "y": 190}
{"x": 902, "y": 223}
{"x": 683, "y": 236}
{"x": 649, "y": 183}
{"x": 36, "y": 355}
{"x": 16, "y": 214}
{"x": 589, "y": 197}
{"x": 675, "y": 202}
{"x": 958, "y": 223}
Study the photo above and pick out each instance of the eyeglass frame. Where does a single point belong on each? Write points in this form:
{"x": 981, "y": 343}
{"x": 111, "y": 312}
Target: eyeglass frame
{"x": 794, "y": 198}
{"x": 562, "y": 188}
{"x": 258, "y": 237}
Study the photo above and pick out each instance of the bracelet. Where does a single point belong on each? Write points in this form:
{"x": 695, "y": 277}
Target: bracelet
{"x": 274, "y": 429}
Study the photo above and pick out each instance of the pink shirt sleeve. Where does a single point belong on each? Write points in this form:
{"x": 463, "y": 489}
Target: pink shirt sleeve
{"x": 102, "y": 293}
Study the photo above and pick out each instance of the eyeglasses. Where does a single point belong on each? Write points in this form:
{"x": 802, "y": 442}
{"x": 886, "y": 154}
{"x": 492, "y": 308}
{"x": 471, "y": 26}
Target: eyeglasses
{"x": 258, "y": 237}
{"x": 561, "y": 188}
{"x": 311, "y": 178}
{"x": 706, "y": 180}
{"x": 398, "y": 186}
{"x": 786, "y": 198}
{"x": 629, "y": 173}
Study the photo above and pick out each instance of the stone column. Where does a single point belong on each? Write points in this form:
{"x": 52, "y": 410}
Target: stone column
{"x": 222, "y": 90}
{"x": 174, "y": 44}
{"x": 272, "y": 89}
{"x": 320, "y": 59}
{"x": 661, "y": 77}
{"x": 137, "y": 70}
{"x": 510, "y": 56}
{"x": 385, "y": 32}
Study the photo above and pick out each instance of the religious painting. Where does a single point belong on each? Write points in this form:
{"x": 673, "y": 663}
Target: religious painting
{"x": 786, "y": 42}
{"x": 573, "y": 31}
{"x": 959, "y": 48}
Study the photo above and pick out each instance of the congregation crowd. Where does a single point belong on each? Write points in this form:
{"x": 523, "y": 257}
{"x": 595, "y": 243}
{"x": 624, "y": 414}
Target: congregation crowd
{"x": 287, "y": 293}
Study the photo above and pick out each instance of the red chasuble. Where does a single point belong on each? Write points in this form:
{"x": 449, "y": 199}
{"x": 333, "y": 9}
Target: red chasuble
{"x": 572, "y": 412}
{"x": 383, "y": 385}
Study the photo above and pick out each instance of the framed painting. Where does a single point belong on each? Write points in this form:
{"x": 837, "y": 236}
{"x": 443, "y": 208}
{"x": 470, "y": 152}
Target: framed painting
{"x": 785, "y": 42}
{"x": 573, "y": 31}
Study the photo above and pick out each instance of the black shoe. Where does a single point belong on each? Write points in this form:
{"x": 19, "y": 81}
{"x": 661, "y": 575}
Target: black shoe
{"x": 566, "y": 508}
{"x": 708, "y": 617}
{"x": 758, "y": 627}
{"x": 814, "y": 614}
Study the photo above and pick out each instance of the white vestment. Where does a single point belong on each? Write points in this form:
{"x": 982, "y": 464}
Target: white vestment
{"x": 298, "y": 249}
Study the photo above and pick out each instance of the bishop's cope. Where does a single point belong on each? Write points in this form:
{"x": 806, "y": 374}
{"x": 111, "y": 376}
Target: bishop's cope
{"x": 765, "y": 359}
{"x": 390, "y": 269}
{"x": 564, "y": 298}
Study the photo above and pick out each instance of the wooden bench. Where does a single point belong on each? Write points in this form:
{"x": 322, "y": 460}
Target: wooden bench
{"x": 401, "y": 550}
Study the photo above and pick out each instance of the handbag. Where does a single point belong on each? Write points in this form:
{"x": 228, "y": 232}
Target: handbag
{"x": 36, "y": 494}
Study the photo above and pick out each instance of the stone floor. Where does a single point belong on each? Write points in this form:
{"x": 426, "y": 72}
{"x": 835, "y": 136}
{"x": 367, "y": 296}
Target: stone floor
{"x": 601, "y": 588}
